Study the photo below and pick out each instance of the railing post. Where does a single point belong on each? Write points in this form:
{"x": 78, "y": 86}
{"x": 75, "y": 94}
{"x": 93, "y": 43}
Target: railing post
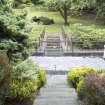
{"x": 104, "y": 52}
{"x": 39, "y": 41}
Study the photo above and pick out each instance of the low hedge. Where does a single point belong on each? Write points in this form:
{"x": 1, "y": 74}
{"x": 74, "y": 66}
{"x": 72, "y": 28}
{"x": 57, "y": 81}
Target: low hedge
{"x": 77, "y": 73}
{"x": 25, "y": 88}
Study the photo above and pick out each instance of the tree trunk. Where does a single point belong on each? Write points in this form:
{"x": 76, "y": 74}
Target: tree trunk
{"x": 66, "y": 20}
{"x": 66, "y": 15}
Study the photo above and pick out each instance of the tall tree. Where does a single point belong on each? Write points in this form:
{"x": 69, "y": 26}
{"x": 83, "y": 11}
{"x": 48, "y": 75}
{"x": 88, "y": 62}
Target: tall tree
{"x": 63, "y": 6}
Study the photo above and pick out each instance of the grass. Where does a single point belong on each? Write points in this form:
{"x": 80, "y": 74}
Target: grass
{"x": 52, "y": 15}
{"x": 37, "y": 29}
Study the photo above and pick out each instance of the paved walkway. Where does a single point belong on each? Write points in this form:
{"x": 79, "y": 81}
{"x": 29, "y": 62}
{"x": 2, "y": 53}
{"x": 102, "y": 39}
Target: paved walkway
{"x": 57, "y": 92}
{"x": 65, "y": 63}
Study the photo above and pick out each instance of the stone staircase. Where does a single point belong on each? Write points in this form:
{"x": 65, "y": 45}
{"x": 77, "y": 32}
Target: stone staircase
{"x": 53, "y": 47}
{"x": 57, "y": 92}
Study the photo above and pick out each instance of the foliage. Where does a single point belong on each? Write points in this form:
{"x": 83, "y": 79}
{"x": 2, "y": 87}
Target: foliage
{"x": 78, "y": 73}
{"x": 88, "y": 37}
{"x": 101, "y": 8}
{"x": 25, "y": 69}
{"x": 43, "y": 20}
{"x": 23, "y": 88}
{"x": 13, "y": 34}
{"x": 92, "y": 90}
{"x": 21, "y": 82}
{"x": 36, "y": 2}
{"x": 62, "y": 6}
{"x": 25, "y": 81}
{"x": 42, "y": 77}
{"x": 18, "y": 3}
{"x": 80, "y": 89}
{"x": 5, "y": 75}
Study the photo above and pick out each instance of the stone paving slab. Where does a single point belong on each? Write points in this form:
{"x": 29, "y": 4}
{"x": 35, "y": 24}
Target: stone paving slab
{"x": 65, "y": 63}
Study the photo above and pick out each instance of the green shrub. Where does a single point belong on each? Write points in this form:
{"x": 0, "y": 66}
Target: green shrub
{"x": 25, "y": 88}
{"x": 80, "y": 89}
{"x": 92, "y": 89}
{"x": 43, "y": 20}
{"x": 5, "y": 76}
{"x": 42, "y": 77}
{"x": 88, "y": 37}
{"x": 26, "y": 80}
{"x": 76, "y": 74}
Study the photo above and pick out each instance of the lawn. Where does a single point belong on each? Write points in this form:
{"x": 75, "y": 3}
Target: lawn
{"x": 83, "y": 24}
{"x": 86, "y": 21}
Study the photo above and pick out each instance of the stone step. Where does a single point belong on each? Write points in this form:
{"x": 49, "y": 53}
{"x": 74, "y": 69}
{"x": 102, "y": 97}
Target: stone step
{"x": 56, "y": 89}
{"x": 53, "y": 46}
{"x": 57, "y": 94}
{"x": 53, "y": 50}
{"x": 53, "y": 40}
{"x": 57, "y": 102}
{"x": 57, "y": 72}
{"x": 53, "y": 37}
{"x": 54, "y": 55}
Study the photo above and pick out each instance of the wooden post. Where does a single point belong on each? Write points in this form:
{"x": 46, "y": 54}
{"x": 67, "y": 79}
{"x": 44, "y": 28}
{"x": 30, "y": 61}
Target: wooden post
{"x": 104, "y": 52}
{"x": 39, "y": 41}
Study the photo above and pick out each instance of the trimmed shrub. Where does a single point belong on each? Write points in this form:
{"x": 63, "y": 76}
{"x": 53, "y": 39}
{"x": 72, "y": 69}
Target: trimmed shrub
{"x": 25, "y": 88}
{"x": 92, "y": 90}
{"x": 43, "y": 20}
{"x": 76, "y": 74}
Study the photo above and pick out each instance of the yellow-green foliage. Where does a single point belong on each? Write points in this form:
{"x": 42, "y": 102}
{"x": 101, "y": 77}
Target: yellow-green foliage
{"x": 80, "y": 89}
{"x": 26, "y": 80}
{"x": 42, "y": 77}
{"x": 77, "y": 73}
{"x": 23, "y": 88}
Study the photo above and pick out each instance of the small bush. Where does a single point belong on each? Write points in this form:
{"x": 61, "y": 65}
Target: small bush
{"x": 25, "y": 82}
{"x": 25, "y": 88}
{"x": 43, "y": 20}
{"x": 92, "y": 89}
{"x": 76, "y": 74}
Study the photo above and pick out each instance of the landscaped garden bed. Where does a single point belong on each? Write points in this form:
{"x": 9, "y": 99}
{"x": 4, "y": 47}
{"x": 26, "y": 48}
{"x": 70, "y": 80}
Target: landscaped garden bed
{"x": 21, "y": 84}
{"x": 89, "y": 84}
{"x": 88, "y": 37}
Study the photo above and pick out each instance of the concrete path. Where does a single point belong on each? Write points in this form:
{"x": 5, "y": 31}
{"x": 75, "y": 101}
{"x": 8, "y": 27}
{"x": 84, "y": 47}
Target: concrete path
{"x": 65, "y": 63}
{"x": 57, "y": 92}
